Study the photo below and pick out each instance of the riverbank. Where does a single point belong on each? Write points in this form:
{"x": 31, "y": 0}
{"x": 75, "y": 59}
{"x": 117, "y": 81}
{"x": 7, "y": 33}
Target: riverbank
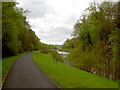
{"x": 69, "y": 77}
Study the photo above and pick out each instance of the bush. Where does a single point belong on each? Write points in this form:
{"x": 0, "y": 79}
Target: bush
{"x": 82, "y": 60}
{"x": 54, "y": 53}
{"x": 46, "y": 51}
{"x": 58, "y": 57}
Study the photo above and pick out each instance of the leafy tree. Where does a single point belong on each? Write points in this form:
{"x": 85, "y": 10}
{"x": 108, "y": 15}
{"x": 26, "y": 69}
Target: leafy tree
{"x": 9, "y": 30}
{"x": 18, "y": 36}
{"x": 97, "y": 40}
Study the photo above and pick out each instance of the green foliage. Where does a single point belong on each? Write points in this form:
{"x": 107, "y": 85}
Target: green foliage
{"x": 48, "y": 46}
{"x": 17, "y": 35}
{"x": 96, "y": 35}
{"x": 69, "y": 77}
{"x": 57, "y": 56}
{"x": 9, "y": 31}
{"x": 70, "y": 44}
{"x": 46, "y": 51}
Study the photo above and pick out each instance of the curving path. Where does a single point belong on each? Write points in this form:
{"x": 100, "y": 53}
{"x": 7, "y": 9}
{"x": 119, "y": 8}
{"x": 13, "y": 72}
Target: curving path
{"x": 24, "y": 74}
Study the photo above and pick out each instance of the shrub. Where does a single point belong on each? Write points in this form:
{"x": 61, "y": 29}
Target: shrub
{"x": 46, "y": 51}
{"x": 58, "y": 57}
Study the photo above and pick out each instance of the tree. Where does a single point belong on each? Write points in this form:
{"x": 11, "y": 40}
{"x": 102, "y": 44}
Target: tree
{"x": 18, "y": 36}
{"x": 98, "y": 42}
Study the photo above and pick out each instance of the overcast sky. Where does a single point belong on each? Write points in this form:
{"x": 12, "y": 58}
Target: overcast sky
{"x": 53, "y": 20}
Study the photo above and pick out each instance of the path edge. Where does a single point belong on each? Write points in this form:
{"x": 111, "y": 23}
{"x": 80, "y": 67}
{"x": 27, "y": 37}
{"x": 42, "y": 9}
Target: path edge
{"x": 8, "y": 72}
{"x": 45, "y": 74}
{"x": 6, "y": 75}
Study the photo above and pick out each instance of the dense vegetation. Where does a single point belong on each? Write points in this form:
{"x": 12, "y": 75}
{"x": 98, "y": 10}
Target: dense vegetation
{"x": 95, "y": 46}
{"x": 54, "y": 54}
{"x": 69, "y": 77}
{"x": 17, "y": 35}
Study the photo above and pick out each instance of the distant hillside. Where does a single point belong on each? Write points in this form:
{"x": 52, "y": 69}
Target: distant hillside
{"x": 58, "y": 45}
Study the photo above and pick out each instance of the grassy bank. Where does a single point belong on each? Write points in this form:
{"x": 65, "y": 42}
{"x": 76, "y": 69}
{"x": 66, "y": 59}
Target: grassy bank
{"x": 69, "y": 77}
{"x": 7, "y": 63}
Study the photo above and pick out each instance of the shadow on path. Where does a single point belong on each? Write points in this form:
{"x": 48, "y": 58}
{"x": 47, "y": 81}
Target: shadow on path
{"x": 24, "y": 74}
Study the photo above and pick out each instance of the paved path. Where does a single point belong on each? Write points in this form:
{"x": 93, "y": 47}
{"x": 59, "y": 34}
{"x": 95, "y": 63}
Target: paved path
{"x": 24, "y": 74}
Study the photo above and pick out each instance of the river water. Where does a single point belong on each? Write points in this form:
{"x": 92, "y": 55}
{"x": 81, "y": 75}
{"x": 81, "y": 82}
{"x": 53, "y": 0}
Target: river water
{"x": 64, "y": 55}
{"x": 62, "y": 52}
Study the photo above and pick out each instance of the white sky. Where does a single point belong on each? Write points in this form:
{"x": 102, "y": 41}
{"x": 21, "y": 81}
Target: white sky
{"x": 53, "y": 20}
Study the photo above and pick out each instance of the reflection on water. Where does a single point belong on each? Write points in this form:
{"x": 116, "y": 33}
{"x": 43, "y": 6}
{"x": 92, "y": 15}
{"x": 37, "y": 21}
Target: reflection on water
{"x": 61, "y": 52}
{"x": 64, "y": 55}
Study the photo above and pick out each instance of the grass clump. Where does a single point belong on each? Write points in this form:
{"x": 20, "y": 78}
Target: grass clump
{"x": 57, "y": 56}
{"x": 54, "y": 53}
{"x": 69, "y": 77}
{"x": 46, "y": 51}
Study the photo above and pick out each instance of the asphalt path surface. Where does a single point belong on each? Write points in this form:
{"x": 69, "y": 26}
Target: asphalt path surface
{"x": 25, "y": 74}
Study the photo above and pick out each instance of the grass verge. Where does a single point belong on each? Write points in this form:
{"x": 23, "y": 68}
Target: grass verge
{"x": 7, "y": 63}
{"x": 69, "y": 77}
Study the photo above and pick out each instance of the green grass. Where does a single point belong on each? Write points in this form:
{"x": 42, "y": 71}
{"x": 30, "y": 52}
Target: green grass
{"x": 69, "y": 77}
{"x": 7, "y": 63}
